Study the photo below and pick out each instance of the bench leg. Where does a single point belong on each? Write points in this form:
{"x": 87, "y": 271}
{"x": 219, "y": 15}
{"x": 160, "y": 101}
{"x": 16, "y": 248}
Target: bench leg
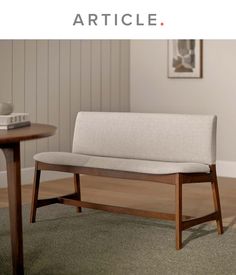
{"x": 216, "y": 199}
{"x": 178, "y": 211}
{"x": 35, "y": 192}
{"x": 77, "y": 189}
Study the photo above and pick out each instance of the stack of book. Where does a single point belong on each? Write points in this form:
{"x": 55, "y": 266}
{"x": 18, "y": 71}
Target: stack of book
{"x": 14, "y": 120}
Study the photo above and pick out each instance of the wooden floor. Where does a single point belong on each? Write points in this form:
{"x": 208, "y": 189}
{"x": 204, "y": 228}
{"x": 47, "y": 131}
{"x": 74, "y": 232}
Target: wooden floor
{"x": 197, "y": 198}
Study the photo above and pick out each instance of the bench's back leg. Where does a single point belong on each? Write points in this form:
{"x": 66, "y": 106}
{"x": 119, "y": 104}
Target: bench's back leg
{"x": 178, "y": 211}
{"x": 35, "y": 192}
{"x": 216, "y": 199}
{"x": 77, "y": 189}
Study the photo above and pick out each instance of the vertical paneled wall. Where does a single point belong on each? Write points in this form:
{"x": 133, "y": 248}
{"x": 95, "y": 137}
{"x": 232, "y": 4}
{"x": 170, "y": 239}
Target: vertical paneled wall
{"x": 53, "y": 80}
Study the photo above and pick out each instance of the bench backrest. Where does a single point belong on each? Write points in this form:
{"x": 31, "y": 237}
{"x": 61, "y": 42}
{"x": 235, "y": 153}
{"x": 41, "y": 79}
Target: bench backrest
{"x": 148, "y": 136}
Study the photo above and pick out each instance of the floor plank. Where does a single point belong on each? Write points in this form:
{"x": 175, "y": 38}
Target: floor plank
{"x": 139, "y": 194}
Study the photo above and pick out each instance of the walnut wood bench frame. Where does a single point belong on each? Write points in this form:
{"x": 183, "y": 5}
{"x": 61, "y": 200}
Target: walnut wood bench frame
{"x": 177, "y": 179}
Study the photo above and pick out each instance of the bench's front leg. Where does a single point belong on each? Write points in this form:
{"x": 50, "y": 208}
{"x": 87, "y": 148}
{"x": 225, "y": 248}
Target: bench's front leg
{"x": 77, "y": 189}
{"x": 35, "y": 192}
{"x": 178, "y": 210}
{"x": 216, "y": 199}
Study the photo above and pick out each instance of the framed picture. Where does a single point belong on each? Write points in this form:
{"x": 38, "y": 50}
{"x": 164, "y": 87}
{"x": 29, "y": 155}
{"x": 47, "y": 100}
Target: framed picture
{"x": 185, "y": 58}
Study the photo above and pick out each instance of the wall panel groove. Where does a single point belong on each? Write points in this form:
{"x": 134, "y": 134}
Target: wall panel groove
{"x": 53, "y": 80}
{"x": 30, "y": 95}
{"x": 6, "y": 80}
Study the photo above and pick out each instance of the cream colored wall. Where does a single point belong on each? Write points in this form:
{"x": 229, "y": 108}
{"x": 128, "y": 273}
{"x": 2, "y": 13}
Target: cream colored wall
{"x": 152, "y": 91}
{"x": 53, "y": 80}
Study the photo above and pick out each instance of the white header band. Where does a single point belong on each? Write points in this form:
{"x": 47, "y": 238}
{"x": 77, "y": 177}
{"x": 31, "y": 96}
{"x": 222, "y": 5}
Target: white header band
{"x": 103, "y": 19}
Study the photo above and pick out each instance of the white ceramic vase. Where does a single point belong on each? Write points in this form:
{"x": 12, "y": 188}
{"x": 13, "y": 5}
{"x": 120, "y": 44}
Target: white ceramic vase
{"x": 6, "y": 108}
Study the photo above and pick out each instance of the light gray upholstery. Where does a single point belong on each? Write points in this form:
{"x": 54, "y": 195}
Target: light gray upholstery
{"x": 138, "y": 142}
{"x": 159, "y": 137}
{"x": 132, "y": 165}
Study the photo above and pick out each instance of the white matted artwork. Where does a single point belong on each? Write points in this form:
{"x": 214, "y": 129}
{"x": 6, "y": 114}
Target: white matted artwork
{"x": 185, "y": 58}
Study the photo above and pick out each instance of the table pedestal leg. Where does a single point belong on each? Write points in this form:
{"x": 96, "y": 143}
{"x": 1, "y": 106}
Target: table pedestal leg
{"x": 12, "y": 155}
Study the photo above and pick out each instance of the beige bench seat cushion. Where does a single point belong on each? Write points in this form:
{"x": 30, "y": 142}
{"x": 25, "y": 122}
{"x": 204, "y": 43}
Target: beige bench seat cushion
{"x": 121, "y": 164}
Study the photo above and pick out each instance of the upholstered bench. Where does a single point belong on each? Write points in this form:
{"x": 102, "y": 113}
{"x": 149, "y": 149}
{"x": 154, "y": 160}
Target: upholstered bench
{"x": 168, "y": 148}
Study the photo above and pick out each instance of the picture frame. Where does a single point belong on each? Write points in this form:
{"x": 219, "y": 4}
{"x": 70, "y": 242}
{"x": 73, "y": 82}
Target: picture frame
{"x": 185, "y": 58}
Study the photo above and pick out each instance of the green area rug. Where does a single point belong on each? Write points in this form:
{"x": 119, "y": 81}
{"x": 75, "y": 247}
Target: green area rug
{"x": 94, "y": 242}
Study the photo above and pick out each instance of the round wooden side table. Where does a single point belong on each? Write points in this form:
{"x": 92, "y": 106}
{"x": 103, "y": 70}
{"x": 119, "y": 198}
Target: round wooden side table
{"x": 10, "y": 145}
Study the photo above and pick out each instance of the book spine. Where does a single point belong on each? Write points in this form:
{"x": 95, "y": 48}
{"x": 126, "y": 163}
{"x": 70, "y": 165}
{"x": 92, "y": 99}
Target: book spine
{"x": 15, "y": 125}
{"x": 14, "y": 119}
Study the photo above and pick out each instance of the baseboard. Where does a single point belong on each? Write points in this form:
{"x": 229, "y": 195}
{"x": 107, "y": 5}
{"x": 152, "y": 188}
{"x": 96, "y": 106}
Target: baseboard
{"x": 224, "y": 169}
{"x": 27, "y": 175}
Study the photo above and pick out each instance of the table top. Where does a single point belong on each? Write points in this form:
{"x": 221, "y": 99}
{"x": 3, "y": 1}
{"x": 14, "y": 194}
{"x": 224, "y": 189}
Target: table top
{"x": 34, "y": 131}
